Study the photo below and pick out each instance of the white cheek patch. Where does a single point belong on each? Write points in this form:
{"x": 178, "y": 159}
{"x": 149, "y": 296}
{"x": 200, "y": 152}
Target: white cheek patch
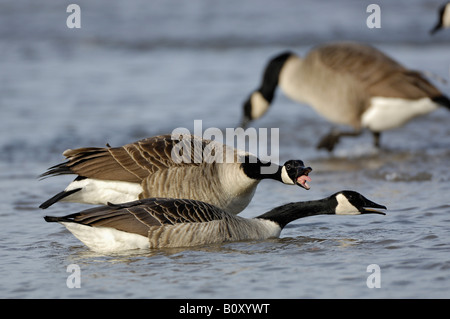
{"x": 446, "y": 16}
{"x": 259, "y": 105}
{"x": 285, "y": 177}
{"x": 344, "y": 207}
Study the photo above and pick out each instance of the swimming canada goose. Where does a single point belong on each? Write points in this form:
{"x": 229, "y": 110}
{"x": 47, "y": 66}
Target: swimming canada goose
{"x": 350, "y": 84}
{"x": 168, "y": 222}
{"x": 184, "y": 167}
{"x": 443, "y": 19}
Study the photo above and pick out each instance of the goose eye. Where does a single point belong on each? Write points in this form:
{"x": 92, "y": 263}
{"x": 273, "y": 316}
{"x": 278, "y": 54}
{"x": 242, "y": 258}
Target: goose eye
{"x": 288, "y": 166}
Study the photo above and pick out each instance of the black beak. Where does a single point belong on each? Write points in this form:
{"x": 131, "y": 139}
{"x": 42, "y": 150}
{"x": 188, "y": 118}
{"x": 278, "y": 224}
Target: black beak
{"x": 369, "y": 207}
{"x": 435, "y": 29}
{"x": 244, "y": 122}
{"x": 304, "y": 171}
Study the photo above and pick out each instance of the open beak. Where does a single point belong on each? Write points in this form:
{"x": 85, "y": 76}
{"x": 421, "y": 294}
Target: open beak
{"x": 370, "y": 208}
{"x": 303, "y": 178}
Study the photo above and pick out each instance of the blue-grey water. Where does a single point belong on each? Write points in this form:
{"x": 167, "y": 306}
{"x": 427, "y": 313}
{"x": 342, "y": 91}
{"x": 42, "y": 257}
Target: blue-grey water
{"x": 140, "y": 68}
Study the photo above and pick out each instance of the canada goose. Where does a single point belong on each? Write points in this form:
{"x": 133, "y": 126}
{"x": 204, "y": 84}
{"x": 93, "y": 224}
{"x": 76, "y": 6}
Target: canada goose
{"x": 443, "y": 19}
{"x": 168, "y": 222}
{"x": 350, "y": 84}
{"x": 151, "y": 168}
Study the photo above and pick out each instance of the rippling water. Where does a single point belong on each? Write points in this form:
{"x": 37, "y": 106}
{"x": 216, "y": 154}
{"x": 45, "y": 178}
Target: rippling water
{"x": 145, "y": 68}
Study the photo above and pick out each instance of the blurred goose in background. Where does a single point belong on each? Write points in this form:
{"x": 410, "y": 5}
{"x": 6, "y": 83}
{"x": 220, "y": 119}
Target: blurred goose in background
{"x": 443, "y": 18}
{"x": 168, "y": 222}
{"x": 166, "y": 166}
{"x": 350, "y": 84}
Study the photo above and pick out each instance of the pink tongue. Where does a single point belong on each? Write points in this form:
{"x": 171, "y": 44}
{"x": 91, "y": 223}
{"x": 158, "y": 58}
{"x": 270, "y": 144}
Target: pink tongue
{"x": 302, "y": 181}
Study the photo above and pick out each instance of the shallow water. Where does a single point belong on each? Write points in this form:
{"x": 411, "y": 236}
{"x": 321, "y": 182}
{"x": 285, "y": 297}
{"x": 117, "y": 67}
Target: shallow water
{"x": 146, "y": 68}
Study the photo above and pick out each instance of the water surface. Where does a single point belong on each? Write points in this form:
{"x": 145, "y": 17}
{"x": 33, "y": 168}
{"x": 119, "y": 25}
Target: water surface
{"x": 143, "y": 68}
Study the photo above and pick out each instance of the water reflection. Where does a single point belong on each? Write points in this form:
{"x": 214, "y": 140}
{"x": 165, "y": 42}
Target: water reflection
{"x": 80, "y": 254}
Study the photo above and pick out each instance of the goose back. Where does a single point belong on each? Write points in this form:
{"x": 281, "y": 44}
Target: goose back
{"x": 132, "y": 162}
{"x": 340, "y": 79}
{"x": 163, "y": 223}
{"x": 188, "y": 167}
{"x": 168, "y": 222}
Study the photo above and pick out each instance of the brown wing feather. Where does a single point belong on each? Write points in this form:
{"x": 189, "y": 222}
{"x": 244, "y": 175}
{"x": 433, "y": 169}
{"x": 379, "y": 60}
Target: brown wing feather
{"x": 405, "y": 84}
{"x": 379, "y": 74}
{"x": 138, "y": 216}
{"x": 99, "y": 163}
{"x": 130, "y": 163}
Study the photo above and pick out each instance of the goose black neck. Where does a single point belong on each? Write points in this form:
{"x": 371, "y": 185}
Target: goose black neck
{"x": 254, "y": 168}
{"x": 271, "y": 76}
{"x": 285, "y": 214}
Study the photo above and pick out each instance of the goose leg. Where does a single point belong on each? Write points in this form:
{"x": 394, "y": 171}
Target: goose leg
{"x": 330, "y": 140}
{"x": 376, "y": 139}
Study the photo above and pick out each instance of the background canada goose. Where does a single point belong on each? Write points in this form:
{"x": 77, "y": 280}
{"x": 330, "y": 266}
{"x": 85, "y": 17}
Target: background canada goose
{"x": 166, "y": 222}
{"x": 443, "y": 18}
{"x": 350, "y": 84}
{"x": 160, "y": 166}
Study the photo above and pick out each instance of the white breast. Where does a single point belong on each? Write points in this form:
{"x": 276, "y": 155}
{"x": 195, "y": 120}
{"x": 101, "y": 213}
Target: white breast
{"x": 388, "y": 113}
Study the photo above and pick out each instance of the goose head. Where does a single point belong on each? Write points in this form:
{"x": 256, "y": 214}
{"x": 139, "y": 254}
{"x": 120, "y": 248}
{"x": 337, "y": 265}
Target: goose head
{"x": 342, "y": 203}
{"x": 254, "y": 107}
{"x": 443, "y": 19}
{"x": 294, "y": 172}
{"x": 259, "y": 101}
{"x": 353, "y": 203}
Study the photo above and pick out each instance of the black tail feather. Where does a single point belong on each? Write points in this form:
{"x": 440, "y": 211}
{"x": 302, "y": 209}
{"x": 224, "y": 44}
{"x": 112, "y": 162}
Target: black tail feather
{"x": 54, "y": 219}
{"x": 57, "y": 198}
{"x": 59, "y": 169}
